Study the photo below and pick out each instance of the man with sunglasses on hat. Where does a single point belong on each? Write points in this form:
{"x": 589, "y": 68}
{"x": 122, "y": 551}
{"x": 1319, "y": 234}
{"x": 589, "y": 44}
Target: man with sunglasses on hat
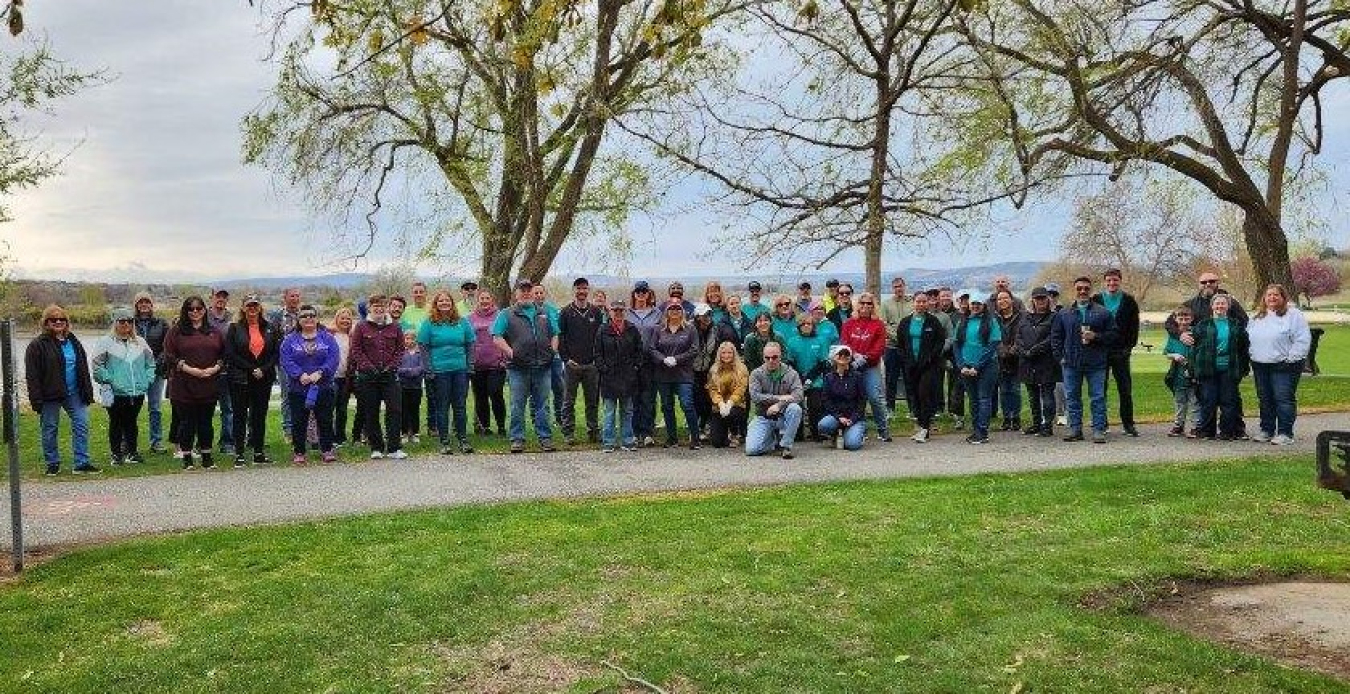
{"x": 752, "y": 307}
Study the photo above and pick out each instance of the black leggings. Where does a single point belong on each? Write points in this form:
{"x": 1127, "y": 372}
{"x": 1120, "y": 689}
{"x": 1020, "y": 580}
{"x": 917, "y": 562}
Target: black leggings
{"x": 194, "y": 431}
{"x": 122, "y": 424}
{"x": 489, "y": 402}
{"x": 250, "y": 414}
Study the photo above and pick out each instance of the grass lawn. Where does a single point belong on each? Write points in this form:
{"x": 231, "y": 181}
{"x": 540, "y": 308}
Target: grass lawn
{"x": 1153, "y": 403}
{"x": 938, "y": 585}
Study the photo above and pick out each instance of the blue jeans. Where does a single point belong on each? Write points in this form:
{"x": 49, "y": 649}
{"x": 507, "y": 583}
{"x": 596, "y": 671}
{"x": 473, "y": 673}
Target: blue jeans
{"x": 226, "y": 440}
{"x": 1009, "y": 395}
{"x": 1276, "y": 390}
{"x": 449, "y": 390}
{"x": 529, "y": 384}
{"x": 283, "y": 385}
{"x": 853, "y": 435}
{"x": 876, "y": 398}
{"x": 620, "y": 409}
{"x": 759, "y": 435}
{"x": 79, "y": 431}
{"x": 1073, "y": 397}
{"x": 685, "y": 392}
{"x": 980, "y": 390}
{"x": 153, "y": 399}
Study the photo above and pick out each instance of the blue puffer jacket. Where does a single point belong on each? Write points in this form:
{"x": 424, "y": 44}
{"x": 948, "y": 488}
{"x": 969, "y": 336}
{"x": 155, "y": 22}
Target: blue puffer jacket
{"x": 1067, "y": 343}
{"x": 127, "y": 365}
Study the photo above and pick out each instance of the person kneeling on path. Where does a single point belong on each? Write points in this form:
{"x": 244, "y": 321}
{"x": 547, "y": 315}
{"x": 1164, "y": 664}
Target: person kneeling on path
{"x": 776, "y": 392}
{"x": 843, "y": 401}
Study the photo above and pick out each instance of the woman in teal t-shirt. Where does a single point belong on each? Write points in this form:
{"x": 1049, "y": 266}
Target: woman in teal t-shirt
{"x": 448, "y": 339}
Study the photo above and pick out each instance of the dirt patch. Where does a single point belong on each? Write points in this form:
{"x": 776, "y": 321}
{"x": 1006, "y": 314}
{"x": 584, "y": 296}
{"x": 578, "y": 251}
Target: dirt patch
{"x": 31, "y": 558}
{"x": 1301, "y": 623}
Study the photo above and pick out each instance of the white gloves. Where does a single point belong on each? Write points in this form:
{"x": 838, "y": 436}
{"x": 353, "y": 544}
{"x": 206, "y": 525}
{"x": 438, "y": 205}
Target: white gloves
{"x": 725, "y": 408}
{"x": 668, "y": 361}
{"x": 859, "y": 362}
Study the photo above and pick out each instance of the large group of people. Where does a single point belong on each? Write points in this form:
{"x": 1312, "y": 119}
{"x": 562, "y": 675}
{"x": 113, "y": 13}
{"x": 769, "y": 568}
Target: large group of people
{"x": 757, "y": 373}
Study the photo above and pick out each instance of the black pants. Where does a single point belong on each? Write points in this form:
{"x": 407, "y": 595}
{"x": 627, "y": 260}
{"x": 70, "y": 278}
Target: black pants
{"x": 323, "y": 417}
{"x": 411, "y": 408}
{"x": 342, "y": 396}
{"x": 702, "y": 400}
{"x": 1041, "y": 401}
{"x": 370, "y": 394}
{"x": 956, "y": 390}
{"x": 587, "y": 378}
{"x": 194, "y": 430}
{"x": 923, "y": 387}
{"x": 489, "y": 402}
{"x": 1118, "y": 368}
{"x": 720, "y": 428}
{"x": 250, "y": 414}
{"x": 813, "y": 404}
{"x": 122, "y": 424}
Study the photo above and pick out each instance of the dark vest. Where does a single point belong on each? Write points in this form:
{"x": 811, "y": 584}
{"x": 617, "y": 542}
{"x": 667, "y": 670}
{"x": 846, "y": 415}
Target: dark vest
{"x": 530, "y": 342}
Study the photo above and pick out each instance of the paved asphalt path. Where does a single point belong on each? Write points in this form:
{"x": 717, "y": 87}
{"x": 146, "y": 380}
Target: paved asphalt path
{"x": 103, "y": 509}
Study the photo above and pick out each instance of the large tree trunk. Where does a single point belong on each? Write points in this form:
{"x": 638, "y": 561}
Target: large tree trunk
{"x": 876, "y": 216}
{"x": 1268, "y": 248}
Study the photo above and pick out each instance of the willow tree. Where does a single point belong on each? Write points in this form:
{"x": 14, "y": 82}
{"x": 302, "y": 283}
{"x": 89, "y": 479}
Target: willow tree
{"x": 503, "y": 107}
{"x": 1228, "y": 93}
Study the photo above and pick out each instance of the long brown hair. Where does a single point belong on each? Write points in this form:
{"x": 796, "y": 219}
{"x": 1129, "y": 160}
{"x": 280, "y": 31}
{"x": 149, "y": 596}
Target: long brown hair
{"x": 1279, "y": 289}
{"x": 439, "y": 316}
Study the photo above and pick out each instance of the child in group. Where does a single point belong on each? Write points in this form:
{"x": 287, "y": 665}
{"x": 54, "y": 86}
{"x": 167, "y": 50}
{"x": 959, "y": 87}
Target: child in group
{"x": 411, "y": 371}
{"x": 1180, "y": 379}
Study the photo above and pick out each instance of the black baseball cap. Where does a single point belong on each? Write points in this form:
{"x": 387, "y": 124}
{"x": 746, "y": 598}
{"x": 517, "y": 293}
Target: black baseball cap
{"x": 755, "y": 287}
{"x": 469, "y": 286}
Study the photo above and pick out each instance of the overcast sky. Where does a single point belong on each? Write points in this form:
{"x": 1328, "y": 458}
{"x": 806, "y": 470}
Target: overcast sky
{"x": 155, "y": 190}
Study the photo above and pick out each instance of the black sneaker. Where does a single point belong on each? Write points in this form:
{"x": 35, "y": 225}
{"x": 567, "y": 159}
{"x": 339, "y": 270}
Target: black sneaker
{"x": 115, "y": 461}
{"x": 1131, "y": 431}
{"x": 465, "y": 448}
{"x": 87, "y": 470}
{"x": 52, "y": 471}
{"x": 787, "y": 454}
{"x": 547, "y": 446}
{"x": 135, "y": 458}
{"x": 240, "y": 462}
{"x": 977, "y": 440}
{"x": 517, "y": 446}
{"x": 207, "y": 463}
{"x": 260, "y": 458}
{"x": 447, "y": 450}
{"x": 1031, "y": 431}
{"x": 188, "y": 464}
{"x": 694, "y": 445}
{"x": 1074, "y": 436}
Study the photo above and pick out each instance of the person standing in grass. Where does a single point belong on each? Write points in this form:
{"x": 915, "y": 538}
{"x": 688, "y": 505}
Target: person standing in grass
{"x": 865, "y": 336}
{"x": 250, "y": 365}
{"x": 152, "y": 329}
{"x": 283, "y": 320}
{"x": 1222, "y": 360}
{"x": 489, "y": 369}
{"x": 646, "y": 317}
{"x": 753, "y": 306}
{"x": 578, "y": 325}
{"x": 377, "y": 349}
{"x": 1036, "y": 365}
{"x": 672, "y": 352}
{"x": 220, "y": 317}
{"x": 894, "y": 309}
{"x": 824, "y": 328}
{"x": 710, "y": 333}
{"x": 618, "y": 361}
{"x": 1180, "y": 378}
{"x": 529, "y": 338}
{"x": 1125, "y": 310}
{"x": 124, "y": 364}
{"x": 752, "y": 350}
{"x": 196, "y": 352}
{"x": 1080, "y": 336}
{"x": 921, "y": 341}
{"x": 977, "y": 339}
{"x": 448, "y": 341}
{"x": 56, "y": 371}
{"x": 309, "y": 358}
{"x": 1280, "y": 340}
{"x": 412, "y": 368}
{"x": 776, "y": 395}
{"x": 1009, "y": 391}
{"x": 740, "y": 323}
{"x": 342, "y": 385}
{"x": 844, "y": 401}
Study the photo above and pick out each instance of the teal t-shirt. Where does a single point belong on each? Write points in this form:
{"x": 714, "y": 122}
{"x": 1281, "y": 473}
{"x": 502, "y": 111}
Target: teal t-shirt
{"x": 827, "y": 332}
{"x": 1221, "y": 334}
{"x": 68, "y": 355}
{"x": 916, "y": 333}
{"x": 1112, "y": 301}
{"x": 752, "y": 310}
{"x": 448, "y": 345}
{"x": 499, "y": 323}
{"x": 973, "y": 348}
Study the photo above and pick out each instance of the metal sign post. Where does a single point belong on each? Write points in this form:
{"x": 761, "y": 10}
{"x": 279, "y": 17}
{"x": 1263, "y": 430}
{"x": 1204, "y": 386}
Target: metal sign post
{"x": 10, "y": 417}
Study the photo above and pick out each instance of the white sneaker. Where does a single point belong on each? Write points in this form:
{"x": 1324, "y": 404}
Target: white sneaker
{"x": 376, "y": 455}
{"x": 400, "y": 454}
{"x": 921, "y": 436}
{"x": 1262, "y": 437}
{"x": 1281, "y": 440}
{"x": 1062, "y": 421}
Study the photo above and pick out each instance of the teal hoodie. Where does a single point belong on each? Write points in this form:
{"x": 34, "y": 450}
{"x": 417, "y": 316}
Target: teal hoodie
{"x": 808, "y": 354}
{"x": 127, "y": 365}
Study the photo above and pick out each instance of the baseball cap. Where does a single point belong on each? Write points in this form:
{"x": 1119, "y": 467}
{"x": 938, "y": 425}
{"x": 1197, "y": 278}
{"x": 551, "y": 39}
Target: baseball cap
{"x": 251, "y": 299}
{"x": 837, "y": 349}
{"x": 675, "y": 287}
{"x": 221, "y": 292}
{"x": 580, "y": 281}
{"x": 524, "y": 284}
{"x": 641, "y": 286}
{"x": 702, "y": 310}
{"x": 469, "y": 286}
{"x": 1039, "y": 292}
{"x": 755, "y": 287}
{"x": 804, "y": 285}
{"x": 1052, "y": 288}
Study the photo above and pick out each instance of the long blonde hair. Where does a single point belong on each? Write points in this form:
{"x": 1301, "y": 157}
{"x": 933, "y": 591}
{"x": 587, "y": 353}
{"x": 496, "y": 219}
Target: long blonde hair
{"x": 736, "y": 367}
{"x": 1279, "y": 289}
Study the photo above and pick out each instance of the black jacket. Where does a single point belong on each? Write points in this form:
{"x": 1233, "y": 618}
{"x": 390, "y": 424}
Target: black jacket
{"x": 576, "y": 332}
{"x": 931, "y": 343}
{"x": 844, "y": 396}
{"x": 618, "y": 358}
{"x": 44, "y": 370}
{"x": 1036, "y": 361}
{"x": 240, "y": 362}
{"x": 1127, "y": 322}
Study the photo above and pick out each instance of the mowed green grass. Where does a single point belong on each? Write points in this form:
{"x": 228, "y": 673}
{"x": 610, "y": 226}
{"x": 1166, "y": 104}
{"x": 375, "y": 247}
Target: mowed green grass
{"x": 940, "y": 585}
{"x": 1153, "y": 403}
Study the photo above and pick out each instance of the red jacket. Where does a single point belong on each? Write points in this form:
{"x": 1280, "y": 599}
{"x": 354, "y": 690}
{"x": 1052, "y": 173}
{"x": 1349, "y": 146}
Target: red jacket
{"x": 865, "y": 336}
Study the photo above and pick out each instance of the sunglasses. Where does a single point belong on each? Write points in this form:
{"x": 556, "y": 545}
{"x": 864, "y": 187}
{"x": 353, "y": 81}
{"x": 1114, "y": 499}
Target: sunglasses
{"x": 864, "y": 303}
{"x": 307, "y": 314}
{"x": 1209, "y": 281}
{"x": 58, "y": 320}
{"x": 845, "y": 293}
{"x": 123, "y": 320}
{"x": 196, "y": 308}
{"x": 769, "y": 357}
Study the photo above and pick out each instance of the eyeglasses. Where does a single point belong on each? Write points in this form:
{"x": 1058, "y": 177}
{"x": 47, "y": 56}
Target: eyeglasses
{"x": 196, "y": 308}
{"x": 1209, "y": 281}
{"x": 864, "y": 303}
{"x": 123, "y": 320}
{"x": 769, "y": 357}
{"x": 781, "y": 304}
{"x": 307, "y": 314}
{"x": 845, "y": 293}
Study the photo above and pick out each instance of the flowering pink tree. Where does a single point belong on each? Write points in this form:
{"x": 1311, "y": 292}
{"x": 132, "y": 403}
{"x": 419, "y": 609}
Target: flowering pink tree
{"x": 1314, "y": 278}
